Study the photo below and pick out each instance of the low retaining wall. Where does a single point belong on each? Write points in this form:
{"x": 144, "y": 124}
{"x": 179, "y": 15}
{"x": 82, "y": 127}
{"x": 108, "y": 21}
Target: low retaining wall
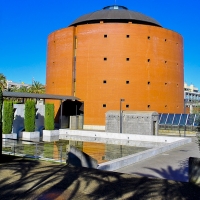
{"x": 128, "y": 160}
{"x": 168, "y": 144}
{"x": 120, "y": 136}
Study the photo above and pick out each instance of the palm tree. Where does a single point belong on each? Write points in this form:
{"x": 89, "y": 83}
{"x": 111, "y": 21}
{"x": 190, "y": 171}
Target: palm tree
{"x": 24, "y": 89}
{"x": 3, "y": 83}
{"x": 37, "y": 87}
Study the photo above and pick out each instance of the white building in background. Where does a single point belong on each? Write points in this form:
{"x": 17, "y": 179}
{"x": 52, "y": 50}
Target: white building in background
{"x": 191, "y": 93}
{"x": 11, "y": 84}
{"x": 191, "y": 97}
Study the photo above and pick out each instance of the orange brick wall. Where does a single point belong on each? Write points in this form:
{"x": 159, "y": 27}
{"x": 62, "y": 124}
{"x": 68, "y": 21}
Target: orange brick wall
{"x": 60, "y": 63}
{"x": 164, "y": 71}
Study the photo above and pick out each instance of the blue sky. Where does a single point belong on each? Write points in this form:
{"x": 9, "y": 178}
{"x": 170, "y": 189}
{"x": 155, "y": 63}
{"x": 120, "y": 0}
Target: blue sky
{"x": 25, "y": 25}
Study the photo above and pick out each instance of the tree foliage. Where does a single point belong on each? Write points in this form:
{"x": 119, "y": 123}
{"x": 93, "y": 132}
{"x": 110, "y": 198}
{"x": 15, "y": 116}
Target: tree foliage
{"x": 37, "y": 87}
{"x": 49, "y": 116}
{"x": 1, "y": 104}
{"x": 8, "y": 115}
{"x": 29, "y": 116}
{"x": 3, "y": 82}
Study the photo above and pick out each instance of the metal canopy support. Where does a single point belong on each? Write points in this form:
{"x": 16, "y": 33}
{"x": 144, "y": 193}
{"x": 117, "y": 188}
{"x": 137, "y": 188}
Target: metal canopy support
{"x": 120, "y": 115}
{"x": 61, "y": 113}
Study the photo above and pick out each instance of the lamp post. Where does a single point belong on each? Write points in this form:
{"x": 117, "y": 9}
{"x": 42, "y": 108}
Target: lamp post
{"x": 120, "y": 116}
{"x": 184, "y": 114}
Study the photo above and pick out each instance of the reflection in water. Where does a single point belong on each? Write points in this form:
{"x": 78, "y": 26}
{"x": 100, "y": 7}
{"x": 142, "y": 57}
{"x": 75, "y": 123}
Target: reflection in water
{"x": 57, "y": 150}
{"x": 95, "y": 150}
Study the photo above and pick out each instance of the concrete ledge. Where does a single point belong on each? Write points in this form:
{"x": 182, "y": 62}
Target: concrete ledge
{"x": 120, "y": 136}
{"x": 128, "y": 160}
{"x": 168, "y": 143}
{"x": 50, "y": 133}
{"x": 9, "y": 139}
{"x": 136, "y": 143}
{"x": 50, "y": 138}
{"x": 9, "y": 136}
{"x": 30, "y": 135}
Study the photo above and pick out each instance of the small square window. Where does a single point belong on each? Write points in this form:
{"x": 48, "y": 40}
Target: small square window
{"x": 127, "y": 82}
{"x": 148, "y": 83}
{"x": 165, "y": 106}
{"x": 105, "y": 36}
{"x": 104, "y": 105}
{"x": 148, "y": 60}
{"x": 165, "y": 40}
{"x": 105, "y": 58}
{"x": 104, "y": 81}
{"x": 148, "y": 106}
{"x": 165, "y": 83}
{"x": 148, "y": 37}
{"x": 127, "y": 106}
{"x": 127, "y": 59}
{"x": 165, "y": 61}
{"x": 127, "y": 36}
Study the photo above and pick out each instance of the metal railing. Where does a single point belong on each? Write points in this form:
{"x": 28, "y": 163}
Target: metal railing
{"x": 54, "y": 151}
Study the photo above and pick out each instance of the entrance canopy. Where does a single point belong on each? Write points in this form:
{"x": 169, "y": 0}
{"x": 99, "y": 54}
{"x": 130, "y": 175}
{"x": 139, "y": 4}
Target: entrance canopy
{"x": 41, "y": 96}
{"x": 38, "y": 96}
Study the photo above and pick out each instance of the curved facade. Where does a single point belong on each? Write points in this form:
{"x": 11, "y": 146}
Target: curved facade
{"x": 101, "y": 63}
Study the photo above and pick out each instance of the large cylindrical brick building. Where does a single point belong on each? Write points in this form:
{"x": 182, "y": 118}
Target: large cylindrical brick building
{"x": 112, "y": 54}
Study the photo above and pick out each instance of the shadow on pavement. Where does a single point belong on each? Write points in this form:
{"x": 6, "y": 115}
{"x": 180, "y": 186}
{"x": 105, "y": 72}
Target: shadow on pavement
{"x": 31, "y": 179}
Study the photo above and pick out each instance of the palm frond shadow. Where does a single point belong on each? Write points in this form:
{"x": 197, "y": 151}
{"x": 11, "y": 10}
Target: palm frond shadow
{"x": 38, "y": 181}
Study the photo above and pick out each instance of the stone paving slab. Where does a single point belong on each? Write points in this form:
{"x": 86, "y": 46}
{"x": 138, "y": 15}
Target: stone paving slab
{"x": 171, "y": 165}
{"x": 22, "y": 178}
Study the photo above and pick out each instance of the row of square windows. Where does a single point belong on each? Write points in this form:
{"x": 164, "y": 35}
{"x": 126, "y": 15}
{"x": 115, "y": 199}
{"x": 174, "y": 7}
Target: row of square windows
{"x": 128, "y": 59}
{"x": 128, "y": 36}
{"x": 127, "y": 106}
{"x": 148, "y": 83}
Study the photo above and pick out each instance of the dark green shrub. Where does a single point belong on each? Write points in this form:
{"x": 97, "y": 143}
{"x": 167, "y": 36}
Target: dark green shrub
{"x": 8, "y": 115}
{"x": 1, "y": 104}
{"x": 49, "y": 117}
{"x": 29, "y": 116}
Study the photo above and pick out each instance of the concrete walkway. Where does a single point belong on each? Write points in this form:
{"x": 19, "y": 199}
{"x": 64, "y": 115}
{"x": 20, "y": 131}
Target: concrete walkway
{"x": 171, "y": 165}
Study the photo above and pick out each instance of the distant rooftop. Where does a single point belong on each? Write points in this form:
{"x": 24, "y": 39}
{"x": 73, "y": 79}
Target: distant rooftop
{"x": 115, "y": 14}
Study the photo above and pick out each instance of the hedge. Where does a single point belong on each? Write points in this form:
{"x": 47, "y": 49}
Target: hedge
{"x": 1, "y": 104}
{"x": 29, "y": 116}
{"x": 49, "y": 117}
{"x": 8, "y": 115}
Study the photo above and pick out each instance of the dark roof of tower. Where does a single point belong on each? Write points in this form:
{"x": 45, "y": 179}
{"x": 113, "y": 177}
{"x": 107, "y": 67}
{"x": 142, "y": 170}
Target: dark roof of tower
{"x": 113, "y": 14}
